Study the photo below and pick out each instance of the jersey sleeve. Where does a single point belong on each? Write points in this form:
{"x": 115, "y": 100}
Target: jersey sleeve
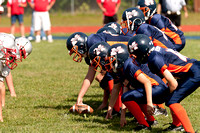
{"x": 156, "y": 63}
{"x": 98, "y": 1}
{"x": 157, "y": 21}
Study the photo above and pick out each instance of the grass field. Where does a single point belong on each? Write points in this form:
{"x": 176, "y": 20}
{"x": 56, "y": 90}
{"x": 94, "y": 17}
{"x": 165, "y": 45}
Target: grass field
{"x": 47, "y": 84}
{"x": 48, "y": 81}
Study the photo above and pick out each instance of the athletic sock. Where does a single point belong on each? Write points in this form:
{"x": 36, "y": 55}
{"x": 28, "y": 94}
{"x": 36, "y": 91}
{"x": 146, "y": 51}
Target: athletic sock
{"x": 175, "y": 119}
{"x": 161, "y": 106}
{"x": 135, "y": 110}
{"x": 181, "y": 114}
{"x": 118, "y": 102}
{"x": 144, "y": 110}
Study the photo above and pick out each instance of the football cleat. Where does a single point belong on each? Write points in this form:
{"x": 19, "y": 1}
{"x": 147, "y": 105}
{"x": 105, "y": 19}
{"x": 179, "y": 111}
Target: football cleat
{"x": 160, "y": 111}
{"x": 152, "y": 123}
{"x": 172, "y": 127}
{"x": 142, "y": 127}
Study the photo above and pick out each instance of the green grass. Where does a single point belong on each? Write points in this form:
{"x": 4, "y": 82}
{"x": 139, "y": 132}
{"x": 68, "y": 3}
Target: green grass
{"x": 47, "y": 84}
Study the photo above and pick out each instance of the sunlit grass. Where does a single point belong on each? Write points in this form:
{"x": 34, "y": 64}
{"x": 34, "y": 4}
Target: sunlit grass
{"x": 47, "y": 84}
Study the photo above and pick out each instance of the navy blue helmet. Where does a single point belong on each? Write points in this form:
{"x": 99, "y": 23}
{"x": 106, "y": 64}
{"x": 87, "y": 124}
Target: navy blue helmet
{"x": 115, "y": 26}
{"x": 148, "y": 7}
{"x": 76, "y": 44}
{"x": 132, "y": 18}
{"x": 140, "y": 45}
{"x": 117, "y": 55}
{"x": 107, "y": 30}
{"x": 97, "y": 55}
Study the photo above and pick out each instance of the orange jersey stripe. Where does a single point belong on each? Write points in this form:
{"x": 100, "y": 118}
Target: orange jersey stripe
{"x": 176, "y": 69}
{"x": 137, "y": 73}
{"x": 153, "y": 81}
{"x": 163, "y": 68}
{"x": 158, "y": 43}
{"x": 176, "y": 38}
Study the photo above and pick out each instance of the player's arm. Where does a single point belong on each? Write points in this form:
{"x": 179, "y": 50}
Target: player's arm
{"x": 31, "y": 4}
{"x": 185, "y": 10}
{"x": 86, "y": 84}
{"x": 148, "y": 89}
{"x": 51, "y": 4}
{"x": 101, "y": 6}
{"x": 113, "y": 98}
{"x": 171, "y": 80}
{"x": 8, "y": 10}
{"x": 123, "y": 121}
{"x": 1, "y": 86}
{"x": 105, "y": 100}
{"x": 117, "y": 6}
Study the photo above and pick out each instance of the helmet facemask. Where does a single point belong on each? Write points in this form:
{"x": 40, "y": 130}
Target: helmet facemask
{"x": 96, "y": 63}
{"x": 146, "y": 12}
{"x": 125, "y": 25}
{"x": 9, "y": 57}
{"x": 131, "y": 25}
{"x": 77, "y": 57}
{"x": 111, "y": 64}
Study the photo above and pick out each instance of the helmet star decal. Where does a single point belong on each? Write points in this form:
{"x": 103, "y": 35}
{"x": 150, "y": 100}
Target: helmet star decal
{"x": 99, "y": 49}
{"x": 114, "y": 51}
{"x": 149, "y": 2}
{"x": 76, "y": 38}
{"x": 107, "y": 32}
{"x": 114, "y": 26}
{"x": 133, "y": 46}
{"x": 131, "y": 14}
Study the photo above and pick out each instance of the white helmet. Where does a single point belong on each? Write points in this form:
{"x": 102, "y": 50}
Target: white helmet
{"x": 9, "y": 51}
{"x": 24, "y": 46}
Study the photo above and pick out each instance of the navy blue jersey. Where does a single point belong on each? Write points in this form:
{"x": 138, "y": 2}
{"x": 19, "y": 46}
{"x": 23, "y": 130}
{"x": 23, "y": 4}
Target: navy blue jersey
{"x": 161, "y": 59}
{"x": 156, "y": 35}
{"x": 175, "y": 35}
{"x": 132, "y": 69}
{"x": 103, "y": 37}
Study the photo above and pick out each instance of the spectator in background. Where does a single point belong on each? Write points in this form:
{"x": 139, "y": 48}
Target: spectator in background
{"x": 16, "y": 11}
{"x": 172, "y": 10}
{"x": 31, "y": 36}
{"x": 1, "y": 7}
{"x": 109, "y": 9}
{"x": 41, "y": 17}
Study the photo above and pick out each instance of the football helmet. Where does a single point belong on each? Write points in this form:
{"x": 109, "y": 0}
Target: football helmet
{"x": 76, "y": 44}
{"x": 9, "y": 51}
{"x": 116, "y": 57}
{"x": 148, "y": 7}
{"x": 107, "y": 30}
{"x": 97, "y": 55}
{"x": 116, "y": 26}
{"x": 132, "y": 18}
{"x": 140, "y": 45}
{"x": 24, "y": 46}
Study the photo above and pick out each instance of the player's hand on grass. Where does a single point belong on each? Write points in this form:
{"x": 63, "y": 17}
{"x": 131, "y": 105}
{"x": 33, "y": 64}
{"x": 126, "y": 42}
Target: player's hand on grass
{"x": 109, "y": 113}
{"x": 150, "y": 109}
{"x": 123, "y": 121}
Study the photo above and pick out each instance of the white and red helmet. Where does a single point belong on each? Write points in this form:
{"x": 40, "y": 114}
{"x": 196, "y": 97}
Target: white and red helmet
{"x": 8, "y": 50}
{"x": 24, "y": 46}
